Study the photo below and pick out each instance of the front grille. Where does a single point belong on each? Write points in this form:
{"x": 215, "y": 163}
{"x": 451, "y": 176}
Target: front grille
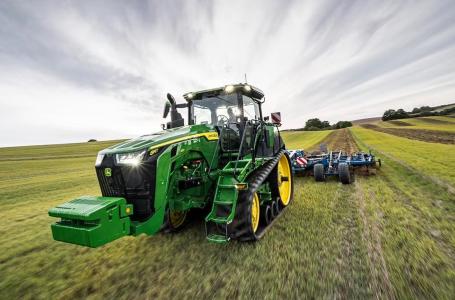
{"x": 112, "y": 186}
{"x": 135, "y": 184}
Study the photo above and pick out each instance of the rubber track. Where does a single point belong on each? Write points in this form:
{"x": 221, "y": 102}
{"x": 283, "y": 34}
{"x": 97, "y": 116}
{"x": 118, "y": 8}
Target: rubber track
{"x": 241, "y": 227}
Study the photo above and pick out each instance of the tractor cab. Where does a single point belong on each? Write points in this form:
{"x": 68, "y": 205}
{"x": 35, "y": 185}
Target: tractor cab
{"x": 230, "y": 110}
{"x": 232, "y": 104}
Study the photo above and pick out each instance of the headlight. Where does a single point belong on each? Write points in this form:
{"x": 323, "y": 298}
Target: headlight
{"x": 132, "y": 159}
{"x": 99, "y": 159}
{"x": 229, "y": 89}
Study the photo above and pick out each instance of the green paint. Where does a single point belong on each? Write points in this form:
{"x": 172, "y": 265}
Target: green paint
{"x": 191, "y": 172}
{"x": 91, "y": 221}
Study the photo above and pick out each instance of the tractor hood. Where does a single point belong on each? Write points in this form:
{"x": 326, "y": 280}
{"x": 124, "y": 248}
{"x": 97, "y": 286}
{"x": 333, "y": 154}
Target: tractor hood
{"x": 163, "y": 138}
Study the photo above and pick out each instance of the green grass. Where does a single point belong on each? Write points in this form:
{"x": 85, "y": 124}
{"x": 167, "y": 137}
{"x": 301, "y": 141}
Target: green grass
{"x": 385, "y": 236}
{"x": 304, "y": 139}
{"x": 438, "y": 123}
{"x": 429, "y": 159}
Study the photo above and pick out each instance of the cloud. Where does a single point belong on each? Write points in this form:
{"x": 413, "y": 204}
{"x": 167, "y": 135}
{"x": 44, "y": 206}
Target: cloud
{"x": 74, "y": 70}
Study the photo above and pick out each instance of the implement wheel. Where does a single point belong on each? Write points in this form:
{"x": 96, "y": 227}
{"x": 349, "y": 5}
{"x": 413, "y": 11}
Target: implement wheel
{"x": 344, "y": 173}
{"x": 318, "y": 171}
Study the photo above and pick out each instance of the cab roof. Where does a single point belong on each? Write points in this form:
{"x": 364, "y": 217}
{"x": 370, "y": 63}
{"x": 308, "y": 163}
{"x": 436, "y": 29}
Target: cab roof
{"x": 244, "y": 88}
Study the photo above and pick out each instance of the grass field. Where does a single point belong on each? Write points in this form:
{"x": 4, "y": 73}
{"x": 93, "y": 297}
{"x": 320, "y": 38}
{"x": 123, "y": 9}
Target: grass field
{"x": 304, "y": 139}
{"x": 438, "y": 123}
{"x": 386, "y": 236}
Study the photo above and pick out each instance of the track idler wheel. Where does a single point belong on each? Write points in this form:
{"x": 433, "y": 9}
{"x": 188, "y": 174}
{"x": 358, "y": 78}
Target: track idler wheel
{"x": 175, "y": 220}
{"x": 281, "y": 181}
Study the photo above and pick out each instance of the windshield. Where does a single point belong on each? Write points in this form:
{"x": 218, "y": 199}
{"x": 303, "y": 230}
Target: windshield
{"x": 224, "y": 109}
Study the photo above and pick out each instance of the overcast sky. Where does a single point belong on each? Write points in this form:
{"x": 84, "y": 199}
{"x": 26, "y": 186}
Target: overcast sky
{"x": 75, "y": 70}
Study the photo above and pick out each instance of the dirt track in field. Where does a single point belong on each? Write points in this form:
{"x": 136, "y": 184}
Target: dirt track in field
{"x": 431, "y": 136}
{"x": 399, "y": 123}
{"x": 434, "y": 121}
{"x": 340, "y": 139}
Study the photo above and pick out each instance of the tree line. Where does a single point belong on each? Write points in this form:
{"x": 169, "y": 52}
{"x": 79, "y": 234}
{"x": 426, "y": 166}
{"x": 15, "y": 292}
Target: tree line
{"x": 315, "y": 125}
{"x": 423, "y": 111}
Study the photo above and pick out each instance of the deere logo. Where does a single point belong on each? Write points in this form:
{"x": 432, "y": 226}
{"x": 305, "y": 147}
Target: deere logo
{"x": 108, "y": 172}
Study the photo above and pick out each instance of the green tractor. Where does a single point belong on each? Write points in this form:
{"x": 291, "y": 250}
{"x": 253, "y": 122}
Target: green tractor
{"x": 229, "y": 160}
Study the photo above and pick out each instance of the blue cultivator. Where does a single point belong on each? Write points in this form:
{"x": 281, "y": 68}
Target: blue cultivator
{"x": 335, "y": 163}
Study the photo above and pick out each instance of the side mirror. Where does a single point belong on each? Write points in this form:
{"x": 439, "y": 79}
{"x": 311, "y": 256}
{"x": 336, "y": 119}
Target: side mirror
{"x": 168, "y": 105}
{"x": 167, "y": 108}
{"x": 171, "y": 99}
{"x": 266, "y": 119}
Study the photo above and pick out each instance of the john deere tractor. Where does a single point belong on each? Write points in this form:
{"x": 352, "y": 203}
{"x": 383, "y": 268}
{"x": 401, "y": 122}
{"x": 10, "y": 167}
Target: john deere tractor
{"x": 229, "y": 161}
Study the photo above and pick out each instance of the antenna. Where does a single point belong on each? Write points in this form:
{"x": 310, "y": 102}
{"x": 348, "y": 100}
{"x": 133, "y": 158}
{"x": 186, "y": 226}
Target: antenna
{"x": 246, "y": 81}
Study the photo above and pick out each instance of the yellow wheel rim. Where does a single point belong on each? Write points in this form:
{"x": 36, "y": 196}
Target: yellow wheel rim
{"x": 176, "y": 218}
{"x": 255, "y": 213}
{"x": 284, "y": 180}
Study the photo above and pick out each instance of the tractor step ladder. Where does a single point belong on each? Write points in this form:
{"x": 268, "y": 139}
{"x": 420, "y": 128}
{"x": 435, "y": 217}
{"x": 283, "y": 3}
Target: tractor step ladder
{"x": 225, "y": 196}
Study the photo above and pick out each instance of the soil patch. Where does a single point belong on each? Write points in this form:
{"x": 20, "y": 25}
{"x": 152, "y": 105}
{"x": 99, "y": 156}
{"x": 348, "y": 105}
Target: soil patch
{"x": 399, "y": 123}
{"x": 435, "y": 121}
{"x": 340, "y": 139}
{"x": 431, "y": 136}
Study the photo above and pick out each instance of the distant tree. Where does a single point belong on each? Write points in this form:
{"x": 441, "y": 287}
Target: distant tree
{"x": 448, "y": 111}
{"x": 392, "y": 114}
{"x": 325, "y": 125}
{"x": 315, "y": 122}
{"x": 400, "y": 114}
{"x": 388, "y": 114}
{"x": 91, "y": 140}
{"x": 342, "y": 124}
{"x": 416, "y": 110}
{"x": 427, "y": 113}
{"x": 426, "y": 108}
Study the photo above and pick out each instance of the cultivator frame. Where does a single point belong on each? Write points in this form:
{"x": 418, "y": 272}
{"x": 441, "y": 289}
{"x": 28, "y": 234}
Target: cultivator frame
{"x": 334, "y": 163}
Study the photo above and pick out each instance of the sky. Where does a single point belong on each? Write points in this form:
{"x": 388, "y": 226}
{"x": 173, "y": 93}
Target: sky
{"x": 76, "y": 70}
